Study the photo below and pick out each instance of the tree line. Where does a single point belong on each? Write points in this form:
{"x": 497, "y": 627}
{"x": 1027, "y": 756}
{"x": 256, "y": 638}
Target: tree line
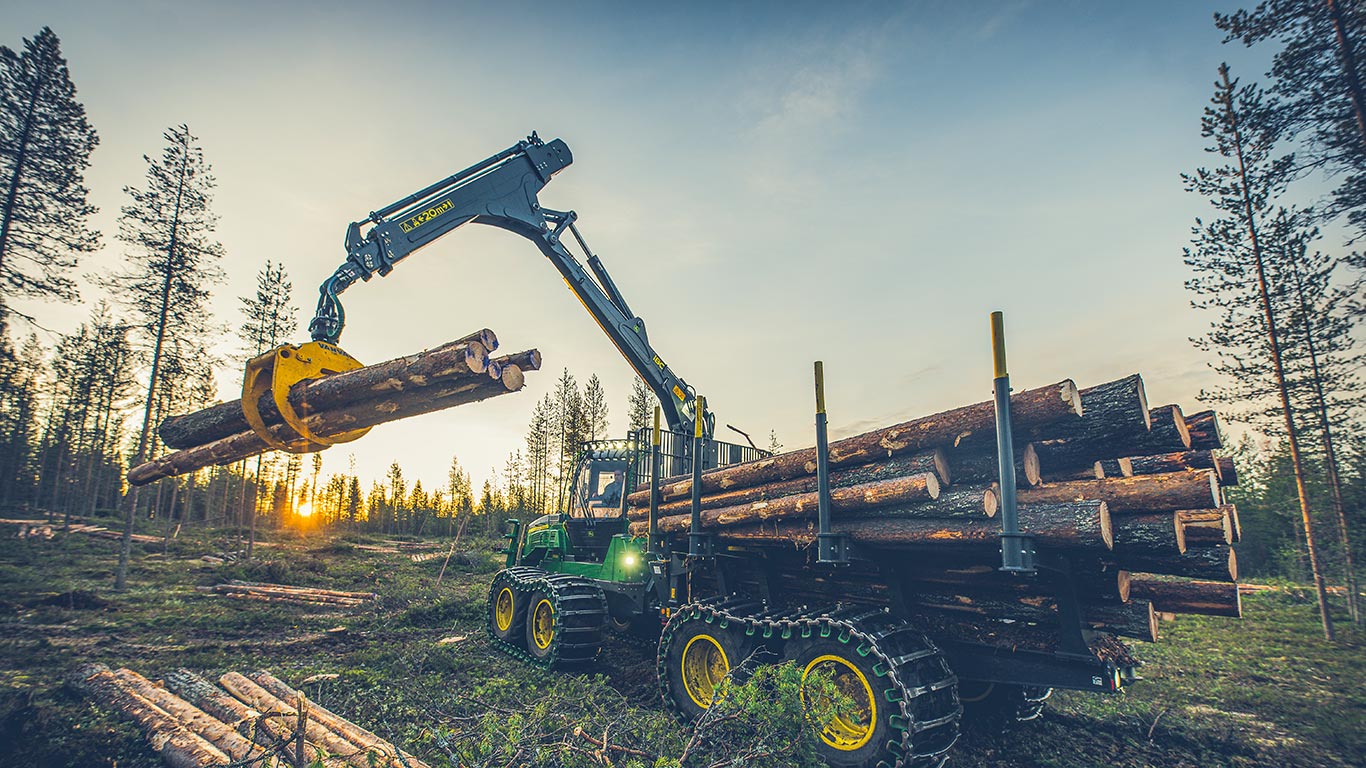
{"x": 76, "y": 412}
{"x": 1285, "y": 296}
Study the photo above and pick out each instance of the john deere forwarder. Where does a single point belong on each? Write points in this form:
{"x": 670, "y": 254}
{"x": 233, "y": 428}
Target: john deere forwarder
{"x": 573, "y": 577}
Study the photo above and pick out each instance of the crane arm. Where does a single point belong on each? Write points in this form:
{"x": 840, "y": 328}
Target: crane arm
{"x": 501, "y": 191}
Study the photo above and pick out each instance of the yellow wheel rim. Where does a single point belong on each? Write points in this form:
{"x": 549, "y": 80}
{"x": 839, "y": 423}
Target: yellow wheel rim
{"x": 969, "y": 695}
{"x": 851, "y": 730}
{"x": 502, "y": 609}
{"x": 543, "y": 624}
{"x": 704, "y": 667}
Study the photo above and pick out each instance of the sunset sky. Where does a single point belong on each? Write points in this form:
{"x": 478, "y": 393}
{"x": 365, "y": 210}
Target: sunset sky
{"x": 772, "y": 184}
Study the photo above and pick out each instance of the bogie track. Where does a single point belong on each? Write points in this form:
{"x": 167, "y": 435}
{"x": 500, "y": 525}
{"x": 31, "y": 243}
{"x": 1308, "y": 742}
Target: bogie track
{"x": 559, "y": 619}
{"x": 906, "y": 707}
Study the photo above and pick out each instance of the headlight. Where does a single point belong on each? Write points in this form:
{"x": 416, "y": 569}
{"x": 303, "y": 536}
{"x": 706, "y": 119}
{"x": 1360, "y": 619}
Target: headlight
{"x": 629, "y": 561}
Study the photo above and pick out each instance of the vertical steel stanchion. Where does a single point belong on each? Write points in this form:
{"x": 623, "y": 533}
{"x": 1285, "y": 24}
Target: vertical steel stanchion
{"x": 830, "y": 546}
{"x": 1017, "y": 549}
{"x": 655, "y": 544}
{"x": 697, "y": 540}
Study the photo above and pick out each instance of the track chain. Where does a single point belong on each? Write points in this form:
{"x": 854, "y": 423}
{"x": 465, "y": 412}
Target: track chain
{"x": 909, "y": 659}
{"x": 570, "y": 596}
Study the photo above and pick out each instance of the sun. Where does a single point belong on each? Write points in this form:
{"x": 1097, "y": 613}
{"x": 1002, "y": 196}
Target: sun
{"x": 304, "y": 510}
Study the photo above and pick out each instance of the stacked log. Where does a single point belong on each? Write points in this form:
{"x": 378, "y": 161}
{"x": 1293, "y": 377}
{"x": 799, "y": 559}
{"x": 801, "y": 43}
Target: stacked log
{"x": 1105, "y": 484}
{"x": 457, "y": 373}
{"x": 250, "y": 720}
{"x": 279, "y": 593}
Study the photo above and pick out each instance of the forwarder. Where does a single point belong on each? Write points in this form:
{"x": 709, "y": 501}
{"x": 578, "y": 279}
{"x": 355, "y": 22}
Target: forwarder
{"x": 574, "y": 576}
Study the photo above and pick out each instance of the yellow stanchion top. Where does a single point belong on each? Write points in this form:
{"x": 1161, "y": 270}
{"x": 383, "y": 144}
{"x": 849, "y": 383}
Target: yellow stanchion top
{"x": 820, "y": 387}
{"x": 998, "y": 344}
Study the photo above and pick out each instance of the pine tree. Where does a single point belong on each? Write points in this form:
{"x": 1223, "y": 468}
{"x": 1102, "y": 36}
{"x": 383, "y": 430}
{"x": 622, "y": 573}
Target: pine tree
{"x": 1230, "y": 257}
{"x": 45, "y": 146}
{"x": 774, "y": 446}
{"x": 594, "y": 409}
{"x": 639, "y": 407}
{"x": 172, "y": 256}
{"x": 1318, "y": 72}
{"x": 269, "y": 318}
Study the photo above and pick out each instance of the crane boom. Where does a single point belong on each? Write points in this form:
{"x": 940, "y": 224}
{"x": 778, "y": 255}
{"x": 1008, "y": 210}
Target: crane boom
{"x": 501, "y": 191}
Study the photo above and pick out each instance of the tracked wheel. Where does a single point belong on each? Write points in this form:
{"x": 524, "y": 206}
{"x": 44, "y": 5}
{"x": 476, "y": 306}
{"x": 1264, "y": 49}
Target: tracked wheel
{"x": 507, "y": 609}
{"x": 996, "y": 707}
{"x": 564, "y": 620}
{"x": 902, "y": 698}
{"x": 697, "y": 651}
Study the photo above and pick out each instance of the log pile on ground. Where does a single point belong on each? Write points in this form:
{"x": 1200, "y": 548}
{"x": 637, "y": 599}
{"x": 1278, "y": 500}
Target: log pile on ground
{"x": 453, "y": 374}
{"x": 279, "y": 593}
{"x": 1128, "y": 495}
{"x": 254, "y": 720}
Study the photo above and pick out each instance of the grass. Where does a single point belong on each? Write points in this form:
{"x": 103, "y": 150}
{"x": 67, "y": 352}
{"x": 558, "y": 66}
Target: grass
{"x": 1267, "y": 690}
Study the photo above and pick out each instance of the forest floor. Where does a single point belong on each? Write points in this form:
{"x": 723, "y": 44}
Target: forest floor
{"x": 416, "y": 667}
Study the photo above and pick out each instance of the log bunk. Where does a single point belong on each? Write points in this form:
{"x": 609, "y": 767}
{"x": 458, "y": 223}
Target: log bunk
{"x": 254, "y": 720}
{"x": 1124, "y": 500}
{"x": 456, "y": 373}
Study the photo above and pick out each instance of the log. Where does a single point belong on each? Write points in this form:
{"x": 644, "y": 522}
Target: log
{"x": 1205, "y": 430}
{"x": 1094, "y": 472}
{"x": 1135, "y": 619}
{"x": 312, "y": 590}
{"x": 1228, "y": 472}
{"x": 979, "y": 467}
{"x": 210, "y": 728}
{"x": 464, "y": 356}
{"x": 1121, "y": 467}
{"x": 1174, "y": 462}
{"x": 228, "y": 589}
{"x": 1116, "y": 411}
{"x": 365, "y": 414}
{"x": 926, "y": 461}
{"x": 178, "y": 746}
{"x": 317, "y": 738}
{"x": 1205, "y": 598}
{"x": 970, "y": 502}
{"x": 1079, "y": 525}
{"x": 1237, "y": 526}
{"x": 1217, "y": 563}
{"x": 1169, "y": 429}
{"x": 1156, "y": 532}
{"x": 385, "y": 751}
{"x": 1140, "y": 493}
{"x": 212, "y": 700}
{"x": 845, "y": 501}
{"x": 1054, "y": 404}
{"x": 1205, "y": 527}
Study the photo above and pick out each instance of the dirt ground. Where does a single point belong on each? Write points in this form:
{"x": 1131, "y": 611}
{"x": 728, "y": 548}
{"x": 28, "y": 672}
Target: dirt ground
{"x": 415, "y": 666}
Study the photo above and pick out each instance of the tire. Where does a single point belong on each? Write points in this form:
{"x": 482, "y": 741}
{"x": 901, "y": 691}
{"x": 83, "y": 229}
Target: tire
{"x": 998, "y": 707}
{"x": 507, "y": 610}
{"x": 541, "y": 623}
{"x": 564, "y": 621}
{"x": 904, "y": 702}
{"x": 696, "y": 656}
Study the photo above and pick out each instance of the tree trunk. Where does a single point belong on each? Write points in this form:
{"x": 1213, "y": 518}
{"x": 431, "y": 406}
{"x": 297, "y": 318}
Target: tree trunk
{"x": 1055, "y": 404}
{"x": 1135, "y": 619}
{"x": 903, "y": 492}
{"x": 1079, "y": 525}
{"x": 977, "y": 467}
{"x": 1207, "y": 434}
{"x": 1279, "y": 368}
{"x": 1216, "y": 563}
{"x": 900, "y": 466}
{"x": 1203, "y": 527}
{"x": 368, "y": 413}
{"x": 454, "y": 360}
{"x": 1142, "y": 534}
{"x": 197, "y": 720}
{"x": 178, "y": 746}
{"x": 1140, "y": 493}
{"x": 1175, "y": 462}
{"x": 1205, "y": 598}
{"x": 1349, "y": 69}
